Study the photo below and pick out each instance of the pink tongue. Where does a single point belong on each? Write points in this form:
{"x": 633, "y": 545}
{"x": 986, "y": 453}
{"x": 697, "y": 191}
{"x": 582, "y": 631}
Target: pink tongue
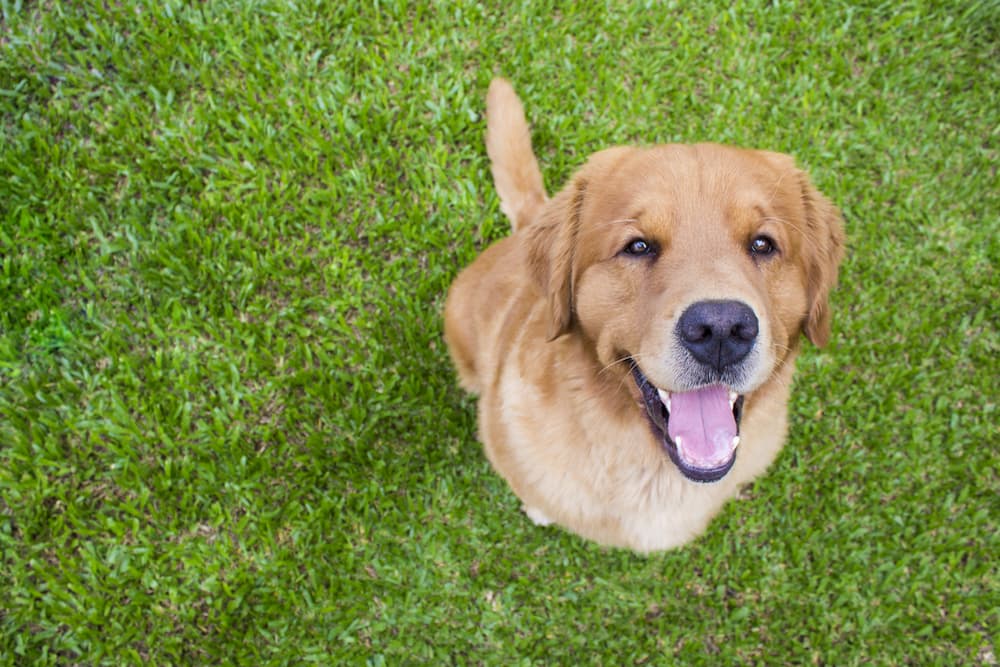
{"x": 702, "y": 423}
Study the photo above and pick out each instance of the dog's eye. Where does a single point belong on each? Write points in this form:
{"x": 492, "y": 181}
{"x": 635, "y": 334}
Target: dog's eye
{"x": 762, "y": 246}
{"x": 638, "y": 247}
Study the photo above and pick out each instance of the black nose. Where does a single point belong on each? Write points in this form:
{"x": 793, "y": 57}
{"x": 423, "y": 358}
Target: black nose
{"x": 718, "y": 333}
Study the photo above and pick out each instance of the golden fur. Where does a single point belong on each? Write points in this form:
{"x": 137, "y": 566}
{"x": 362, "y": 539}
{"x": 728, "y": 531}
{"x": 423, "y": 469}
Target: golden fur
{"x": 545, "y": 325}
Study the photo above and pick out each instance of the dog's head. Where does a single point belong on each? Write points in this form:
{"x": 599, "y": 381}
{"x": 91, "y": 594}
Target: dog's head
{"x": 696, "y": 268}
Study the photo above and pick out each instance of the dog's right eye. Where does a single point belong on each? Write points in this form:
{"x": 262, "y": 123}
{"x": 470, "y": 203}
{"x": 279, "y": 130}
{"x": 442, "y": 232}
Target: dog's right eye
{"x": 638, "y": 247}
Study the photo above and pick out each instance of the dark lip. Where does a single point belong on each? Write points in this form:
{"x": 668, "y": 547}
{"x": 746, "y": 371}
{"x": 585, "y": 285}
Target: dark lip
{"x": 658, "y": 417}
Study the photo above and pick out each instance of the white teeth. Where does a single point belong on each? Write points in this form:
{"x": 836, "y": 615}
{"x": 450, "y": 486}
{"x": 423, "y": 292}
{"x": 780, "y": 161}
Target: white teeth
{"x": 679, "y": 444}
{"x": 665, "y": 397}
{"x": 735, "y": 443}
{"x": 732, "y": 399}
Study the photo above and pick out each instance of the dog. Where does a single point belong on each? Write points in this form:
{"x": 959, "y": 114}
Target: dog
{"x": 633, "y": 341}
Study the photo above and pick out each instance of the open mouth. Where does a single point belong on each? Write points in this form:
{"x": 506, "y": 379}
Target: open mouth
{"x": 699, "y": 429}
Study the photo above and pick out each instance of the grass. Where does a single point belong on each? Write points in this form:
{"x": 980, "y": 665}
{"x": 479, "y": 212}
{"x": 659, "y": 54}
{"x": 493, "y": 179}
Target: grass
{"x": 229, "y": 430}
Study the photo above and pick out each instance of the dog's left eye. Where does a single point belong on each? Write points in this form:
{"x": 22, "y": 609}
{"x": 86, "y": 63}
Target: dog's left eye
{"x": 638, "y": 247}
{"x": 762, "y": 246}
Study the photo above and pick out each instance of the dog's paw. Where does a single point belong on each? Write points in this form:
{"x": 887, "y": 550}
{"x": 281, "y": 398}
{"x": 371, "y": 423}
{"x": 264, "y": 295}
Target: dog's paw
{"x": 537, "y": 516}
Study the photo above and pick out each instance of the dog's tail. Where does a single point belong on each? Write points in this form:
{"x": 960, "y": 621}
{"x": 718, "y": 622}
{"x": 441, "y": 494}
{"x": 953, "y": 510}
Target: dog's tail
{"x": 508, "y": 143}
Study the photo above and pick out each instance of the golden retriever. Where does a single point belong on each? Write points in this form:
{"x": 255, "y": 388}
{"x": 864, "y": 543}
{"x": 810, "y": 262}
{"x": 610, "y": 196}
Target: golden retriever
{"x": 633, "y": 341}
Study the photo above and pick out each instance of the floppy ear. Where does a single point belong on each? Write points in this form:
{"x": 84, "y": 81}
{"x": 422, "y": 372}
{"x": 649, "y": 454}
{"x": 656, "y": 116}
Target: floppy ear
{"x": 552, "y": 238}
{"x": 824, "y": 250}
{"x": 551, "y": 247}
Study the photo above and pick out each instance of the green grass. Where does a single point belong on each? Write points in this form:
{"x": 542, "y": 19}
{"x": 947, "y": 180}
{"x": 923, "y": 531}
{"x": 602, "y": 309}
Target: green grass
{"x": 229, "y": 430}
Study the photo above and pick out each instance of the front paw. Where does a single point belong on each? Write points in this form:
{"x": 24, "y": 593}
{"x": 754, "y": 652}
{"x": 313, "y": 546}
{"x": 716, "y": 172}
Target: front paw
{"x": 537, "y": 516}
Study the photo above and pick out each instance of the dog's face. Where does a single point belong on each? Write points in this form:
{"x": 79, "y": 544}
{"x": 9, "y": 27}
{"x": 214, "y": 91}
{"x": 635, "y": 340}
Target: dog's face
{"x": 694, "y": 269}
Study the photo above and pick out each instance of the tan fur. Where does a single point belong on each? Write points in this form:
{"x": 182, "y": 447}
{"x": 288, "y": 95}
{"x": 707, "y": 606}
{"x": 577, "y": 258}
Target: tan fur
{"x": 508, "y": 140}
{"x": 543, "y": 323}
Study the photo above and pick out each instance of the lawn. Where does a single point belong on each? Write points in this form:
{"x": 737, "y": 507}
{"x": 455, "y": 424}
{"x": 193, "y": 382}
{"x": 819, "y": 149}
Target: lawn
{"x": 229, "y": 429}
